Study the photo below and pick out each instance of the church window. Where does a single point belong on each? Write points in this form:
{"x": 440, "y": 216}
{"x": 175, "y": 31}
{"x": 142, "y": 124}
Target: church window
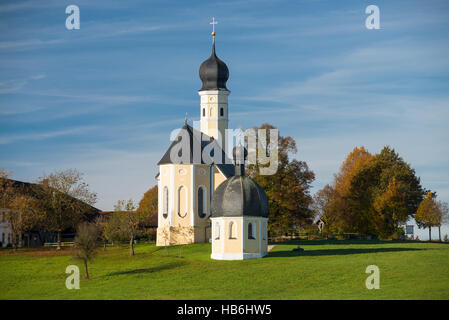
{"x": 182, "y": 202}
{"x": 217, "y": 230}
{"x": 232, "y": 233}
{"x": 250, "y": 231}
{"x": 202, "y": 206}
{"x": 165, "y": 203}
{"x": 204, "y": 112}
{"x": 221, "y": 112}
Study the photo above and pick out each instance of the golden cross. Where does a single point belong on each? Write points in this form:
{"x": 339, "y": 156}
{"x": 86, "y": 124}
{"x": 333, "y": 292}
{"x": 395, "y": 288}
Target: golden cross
{"x": 213, "y": 23}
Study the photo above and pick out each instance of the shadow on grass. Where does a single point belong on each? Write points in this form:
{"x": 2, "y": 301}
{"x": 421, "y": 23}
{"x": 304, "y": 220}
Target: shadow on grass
{"x": 324, "y": 242}
{"x": 161, "y": 267}
{"x": 335, "y": 252}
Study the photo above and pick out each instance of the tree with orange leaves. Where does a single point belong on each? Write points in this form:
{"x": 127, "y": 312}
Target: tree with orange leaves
{"x": 390, "y": 209}
{"x": 428, "y": 214}
{"x": 374, "y": 194}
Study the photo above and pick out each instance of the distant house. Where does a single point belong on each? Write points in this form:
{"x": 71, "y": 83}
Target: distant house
{"x": 320, "y": 224}
{"x": 37, "y": 236}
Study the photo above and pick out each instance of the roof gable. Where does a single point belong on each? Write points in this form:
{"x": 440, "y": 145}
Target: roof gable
{"x": 197, "y": 139}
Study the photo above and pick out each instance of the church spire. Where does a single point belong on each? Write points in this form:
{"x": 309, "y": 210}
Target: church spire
{"x": 214, "y": 73}
{"x": 213, "y": 23}
{"x": 214, "y": 95}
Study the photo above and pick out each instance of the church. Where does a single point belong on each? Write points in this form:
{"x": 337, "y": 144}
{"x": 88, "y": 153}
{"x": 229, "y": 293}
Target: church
{"x": 187, "y": 202}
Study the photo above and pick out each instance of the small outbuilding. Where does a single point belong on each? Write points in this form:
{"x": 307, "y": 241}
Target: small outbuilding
{"x": 239, "y": 216}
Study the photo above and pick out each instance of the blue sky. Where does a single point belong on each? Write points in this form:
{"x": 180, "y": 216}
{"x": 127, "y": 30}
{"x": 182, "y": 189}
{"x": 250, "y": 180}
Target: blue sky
{"x": 104, "y": 99}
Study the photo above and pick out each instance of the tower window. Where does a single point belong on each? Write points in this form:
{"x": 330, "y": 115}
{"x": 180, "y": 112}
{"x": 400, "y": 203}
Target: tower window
{"x": 165, "y": 203}
{"x": 217, "y": 231}
{"x": 250, "y": 231}
{"x": 202, "y": 202}
{"x": 204, "y": 112}
{"x": 221, "y": 112}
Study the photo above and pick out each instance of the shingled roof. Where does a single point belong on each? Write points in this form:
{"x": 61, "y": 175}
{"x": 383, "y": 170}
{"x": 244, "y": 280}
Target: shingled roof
{"x": 199, "y": 139}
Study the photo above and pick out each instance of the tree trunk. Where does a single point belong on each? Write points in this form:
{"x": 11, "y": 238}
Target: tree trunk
{"x": 439, "y": 232}
{"x": 86, "y": 272}
{"x": 430, "y": 234}
{"x": 14, "y": 242}
{"x": 104, "y": 245}
{"x": 131, "y": 246}
{"x": 59, "y": 241}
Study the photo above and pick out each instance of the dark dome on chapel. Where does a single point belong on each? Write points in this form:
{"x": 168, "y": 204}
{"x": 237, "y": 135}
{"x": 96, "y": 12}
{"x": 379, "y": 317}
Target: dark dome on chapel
{"x": 239, "y": 196}
{"x": 214, "y": 73}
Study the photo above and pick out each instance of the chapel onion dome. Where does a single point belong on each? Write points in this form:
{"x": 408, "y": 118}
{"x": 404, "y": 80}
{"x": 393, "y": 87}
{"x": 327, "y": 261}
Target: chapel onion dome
{"x": 214, "y": 73}
{"x": 239, "y": 195}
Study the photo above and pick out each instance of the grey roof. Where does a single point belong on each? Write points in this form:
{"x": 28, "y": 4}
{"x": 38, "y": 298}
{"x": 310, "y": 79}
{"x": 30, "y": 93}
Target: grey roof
{"x": 214, "y": 73}
{"x": 197, "y": 138}
{"x": 239, "y": 196}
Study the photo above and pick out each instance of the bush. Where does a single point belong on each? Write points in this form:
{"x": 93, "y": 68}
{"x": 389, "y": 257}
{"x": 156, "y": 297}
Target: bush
{"x": 446, "y": 239}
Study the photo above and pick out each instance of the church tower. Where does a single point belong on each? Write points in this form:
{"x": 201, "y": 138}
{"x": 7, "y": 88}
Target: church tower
{"x": 214, "y": 96}
{"x": 186, "y": 187}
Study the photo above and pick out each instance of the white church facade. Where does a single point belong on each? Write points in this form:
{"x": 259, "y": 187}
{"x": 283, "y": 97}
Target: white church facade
{"x": 187, "y": 181}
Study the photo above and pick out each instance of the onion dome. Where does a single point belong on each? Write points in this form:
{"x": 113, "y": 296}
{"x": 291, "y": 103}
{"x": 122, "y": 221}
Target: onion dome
{"x": 214, "y": 73}
{"x": 239, "y": 195}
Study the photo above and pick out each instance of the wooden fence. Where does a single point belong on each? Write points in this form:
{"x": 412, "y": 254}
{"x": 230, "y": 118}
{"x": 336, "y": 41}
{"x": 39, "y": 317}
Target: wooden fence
{"x": 55, "y": 244}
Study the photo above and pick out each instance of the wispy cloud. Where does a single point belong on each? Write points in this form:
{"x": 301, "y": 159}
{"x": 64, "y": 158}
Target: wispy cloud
{"x": 15, "y": 85}
{"x": 35, "y": 136}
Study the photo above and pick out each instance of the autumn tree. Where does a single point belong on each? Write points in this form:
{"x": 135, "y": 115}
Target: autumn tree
{"x": 24, "y": 214}
{"x": 101, "y": 223}
{"x": 374, "y": 194}
{"x": 86, "y": 244}
{"x": 65, "y": 197}
{"x": 428, "y": 215}
{"x": 390, "y": 210}
{"x": 443, "y": 215}
{"x": 340, "y": 213}
{"x": 322, "y": 205}
{"x": 288, "y": 189}
{"x": 131, "y": 222}
{"x": 7, "y": 190}
{"x": 148, "y": 207}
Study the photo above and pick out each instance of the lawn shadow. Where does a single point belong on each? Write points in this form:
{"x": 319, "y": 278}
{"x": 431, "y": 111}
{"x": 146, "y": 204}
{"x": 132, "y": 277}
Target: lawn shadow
{"x": 161, "y": 267}
{"x": 333, "y": 242}
{"x": 335, "y": 252}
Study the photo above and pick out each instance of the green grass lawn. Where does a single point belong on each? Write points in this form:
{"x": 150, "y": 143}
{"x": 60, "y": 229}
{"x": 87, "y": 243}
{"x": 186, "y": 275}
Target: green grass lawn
{"x": 325, "y": 270}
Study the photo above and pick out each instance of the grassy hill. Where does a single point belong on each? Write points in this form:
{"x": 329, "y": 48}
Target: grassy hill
{"x": 325, "y": 270}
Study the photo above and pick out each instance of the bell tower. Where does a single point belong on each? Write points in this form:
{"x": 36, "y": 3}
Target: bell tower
{"x": 214, "y": 95}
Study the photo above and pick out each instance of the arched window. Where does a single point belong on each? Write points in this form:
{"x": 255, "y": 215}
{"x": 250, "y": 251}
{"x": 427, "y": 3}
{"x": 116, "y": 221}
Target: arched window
{"x": 202, "y": 206}
{"x": 250, "y": 231}
{"x": 232, "y": 232}
{"x": 182, "y": 202}
{"x": 165, "y": 203}
{"x": 204, "y": 112}
{"x": 217, "y": 230}
{"x": 221, "y": 112}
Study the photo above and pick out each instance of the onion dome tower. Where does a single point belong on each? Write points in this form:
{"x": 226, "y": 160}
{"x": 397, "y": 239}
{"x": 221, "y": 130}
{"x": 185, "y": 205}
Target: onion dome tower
{"x": 214, "y": 74}
{"x": 239, "y": 215}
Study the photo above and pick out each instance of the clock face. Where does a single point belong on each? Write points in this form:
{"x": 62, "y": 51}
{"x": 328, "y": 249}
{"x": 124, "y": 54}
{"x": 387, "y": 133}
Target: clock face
{"x": 211, "y": 99}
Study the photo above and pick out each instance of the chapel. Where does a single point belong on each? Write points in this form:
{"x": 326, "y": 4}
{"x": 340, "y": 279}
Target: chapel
{"x": 197, "y": 163}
